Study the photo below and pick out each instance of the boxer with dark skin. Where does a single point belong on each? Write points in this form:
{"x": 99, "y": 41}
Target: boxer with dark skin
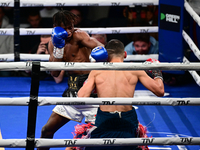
{"x": 78, "y": 45}
{"x": 68, "y": 45}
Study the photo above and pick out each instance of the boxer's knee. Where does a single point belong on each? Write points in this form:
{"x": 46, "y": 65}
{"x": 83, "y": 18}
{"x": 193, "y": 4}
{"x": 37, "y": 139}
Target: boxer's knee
{"x": 47, "y": 132}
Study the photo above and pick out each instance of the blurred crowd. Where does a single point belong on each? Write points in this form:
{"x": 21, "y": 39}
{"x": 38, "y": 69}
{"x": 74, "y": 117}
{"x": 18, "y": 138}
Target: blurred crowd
{"x": 41, "y": 17}
{"x": 90, "y": 16}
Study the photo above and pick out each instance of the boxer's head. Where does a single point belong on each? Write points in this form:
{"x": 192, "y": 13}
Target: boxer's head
{"x": 66, "y": 20}
{"x": 115, "y": 48}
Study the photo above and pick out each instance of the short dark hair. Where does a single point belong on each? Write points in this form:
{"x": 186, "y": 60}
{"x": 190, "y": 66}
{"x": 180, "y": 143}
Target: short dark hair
{"x": 145, "y": 37}
{"x": 34, "y": 12}
{"x": 64, "y": 16}
{"x": 115, "y": 47}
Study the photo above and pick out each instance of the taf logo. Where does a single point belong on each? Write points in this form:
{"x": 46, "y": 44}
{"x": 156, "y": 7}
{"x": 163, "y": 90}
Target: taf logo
{"x": 170, "y": 17}
{"x": 148, "y": 140}
{"x": 186, "y": 140}
{"x": 70, "y": 142}
{"x": 69, "y": 64}
{"x": 109, "y": 141}
{"x": 180, "y": 102}
{"x": 108, "y": 102}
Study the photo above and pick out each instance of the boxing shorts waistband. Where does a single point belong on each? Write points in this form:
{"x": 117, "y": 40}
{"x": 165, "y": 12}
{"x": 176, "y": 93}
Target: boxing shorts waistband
{"x": 123, "y": 120}
{"x": 119, "y": 114}
{"x": 75, "y": 82}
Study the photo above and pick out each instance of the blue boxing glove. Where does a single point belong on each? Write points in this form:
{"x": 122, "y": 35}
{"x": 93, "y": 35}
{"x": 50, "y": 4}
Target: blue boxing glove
{"x": 100, "y": 54}
{"x": 58, "y": 39}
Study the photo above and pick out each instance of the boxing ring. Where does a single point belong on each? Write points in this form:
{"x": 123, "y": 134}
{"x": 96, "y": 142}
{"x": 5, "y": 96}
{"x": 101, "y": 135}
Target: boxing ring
{"x": 172, "y": 121}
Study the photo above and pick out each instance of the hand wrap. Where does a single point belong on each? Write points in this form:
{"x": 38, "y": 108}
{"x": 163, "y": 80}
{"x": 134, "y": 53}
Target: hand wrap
{"x": 153, "y": 73}
{"x": 58, "y": 52}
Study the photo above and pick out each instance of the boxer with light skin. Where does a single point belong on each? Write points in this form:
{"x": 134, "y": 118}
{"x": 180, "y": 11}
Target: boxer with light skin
{"x": 118, "y": 121}
{"x": 70, "y": 45}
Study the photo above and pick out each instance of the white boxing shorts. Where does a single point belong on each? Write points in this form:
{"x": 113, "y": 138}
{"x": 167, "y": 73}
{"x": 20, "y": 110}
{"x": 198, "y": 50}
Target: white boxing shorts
{"x": 77, "y": 112}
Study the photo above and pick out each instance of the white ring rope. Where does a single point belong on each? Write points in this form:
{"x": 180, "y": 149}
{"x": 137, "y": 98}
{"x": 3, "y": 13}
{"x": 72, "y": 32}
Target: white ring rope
{"x": 193, "y": 14}
{"x": 194, "y": 74}
{"x": 196, "y": 52}
{"x": 192, "y": 45}
{"x": 24, "y": 101}
{"x": 61, "y": 3}
{"x": 113, "y": 30}
{"x": 45, "y": 57}
{"x": 20, "y": 143}
{"x": 69, "y": 66}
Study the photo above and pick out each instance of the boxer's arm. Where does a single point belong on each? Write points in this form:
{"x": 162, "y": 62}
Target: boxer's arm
{"x": 86, "y": 40}
{"x": 154, "y": 73}
{"x": 154, "y": 85}
{"x": 88, "y": 87}
{"x": 56, "y": 47}
{"x": 53, "y": 59}
{"x": 59, "y": 79}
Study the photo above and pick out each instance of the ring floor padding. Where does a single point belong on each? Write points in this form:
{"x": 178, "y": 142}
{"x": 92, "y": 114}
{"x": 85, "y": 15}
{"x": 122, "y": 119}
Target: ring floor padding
{"x": 161, "y": 121}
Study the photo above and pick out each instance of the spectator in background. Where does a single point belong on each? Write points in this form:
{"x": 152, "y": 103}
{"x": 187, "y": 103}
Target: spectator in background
{"x": 77, "y": 12}
{"x": 48, "y": 12}
{"x": 142, "y": 43}
{"x": 114, "y": 18}
{"x": 135, "y": 16}
{"x": 9, "y": 12}
{"x": 34, "y": 19}
{"x": 81, "y": 20}
{"x": 152, "y": 18}
{"x": 42, "y": 46}
{"x": 27, "y": 42}
{"x": 6, "y": 41}
{"x": 100, "y": 37}
{"x": 142, "y": 16}
{"x": 152, "y": 15}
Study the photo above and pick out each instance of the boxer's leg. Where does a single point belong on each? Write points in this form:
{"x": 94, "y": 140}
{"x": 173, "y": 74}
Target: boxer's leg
{"x": 54, "y": 123}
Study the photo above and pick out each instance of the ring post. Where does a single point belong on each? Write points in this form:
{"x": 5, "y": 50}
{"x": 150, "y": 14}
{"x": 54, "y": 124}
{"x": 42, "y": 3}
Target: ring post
{"x": 16, "y": 30}
{"x": 33, "y": 103}
{"x": 170, "y": 22}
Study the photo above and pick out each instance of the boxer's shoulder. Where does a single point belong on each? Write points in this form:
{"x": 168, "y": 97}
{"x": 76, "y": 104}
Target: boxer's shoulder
{"x": 79, "y": 34}
{"x": 78, "y": 31}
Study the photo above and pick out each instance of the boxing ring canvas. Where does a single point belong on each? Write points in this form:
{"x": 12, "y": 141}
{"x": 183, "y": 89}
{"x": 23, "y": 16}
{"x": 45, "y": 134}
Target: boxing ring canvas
{"x": 161, "y": 121}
